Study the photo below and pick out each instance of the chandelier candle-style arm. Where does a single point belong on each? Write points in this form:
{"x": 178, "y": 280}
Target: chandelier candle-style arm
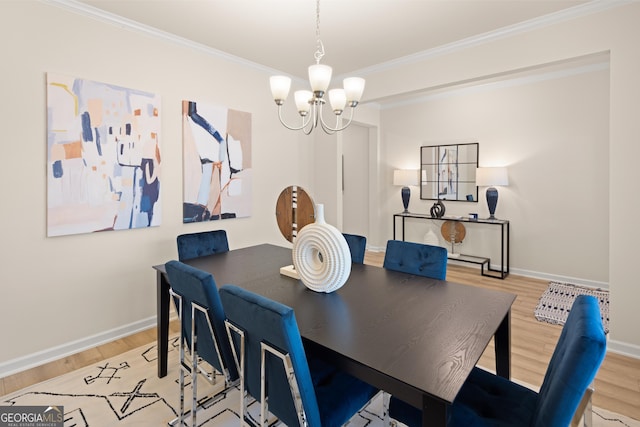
{"x": 310, "y": 103}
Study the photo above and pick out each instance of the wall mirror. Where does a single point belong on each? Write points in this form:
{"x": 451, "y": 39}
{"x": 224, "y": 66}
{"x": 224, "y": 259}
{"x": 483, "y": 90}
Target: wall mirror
{"x": 448, "y": 172}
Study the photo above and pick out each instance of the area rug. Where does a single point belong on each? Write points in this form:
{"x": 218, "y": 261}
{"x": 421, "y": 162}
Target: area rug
{"x": 555, "y": 303}
{"x": 126, "y": 391}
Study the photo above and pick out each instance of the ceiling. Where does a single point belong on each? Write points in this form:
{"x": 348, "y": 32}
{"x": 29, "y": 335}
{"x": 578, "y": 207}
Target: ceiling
{"x": 357, "y": 34}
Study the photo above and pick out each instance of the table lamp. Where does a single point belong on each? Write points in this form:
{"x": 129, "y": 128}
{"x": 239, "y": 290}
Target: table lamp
{"x": 405, "y": 178}
{"x": 488, "y": 177}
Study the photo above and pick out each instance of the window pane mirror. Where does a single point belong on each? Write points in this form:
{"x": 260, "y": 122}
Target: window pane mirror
{"x": 448, "y": 172}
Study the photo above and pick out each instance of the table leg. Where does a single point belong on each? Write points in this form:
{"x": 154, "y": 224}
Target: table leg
{"x": 394, "y": 227}
{"x": 508, "y": 237}
{"x": 162, "y": 296}
{"x": 434, "y": 412}
{"x": 503, "y": 347}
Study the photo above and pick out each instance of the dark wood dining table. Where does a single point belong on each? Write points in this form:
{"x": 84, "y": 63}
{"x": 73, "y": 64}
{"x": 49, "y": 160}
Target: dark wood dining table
{"x": 414, "y": 337}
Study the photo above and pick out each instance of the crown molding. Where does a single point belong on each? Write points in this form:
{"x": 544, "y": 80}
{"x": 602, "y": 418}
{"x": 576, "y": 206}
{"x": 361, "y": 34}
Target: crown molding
{"x": 111, "y": 18}
{"x": 505, "y": 81}
{"x": 585, "y": 9}
{"x": 588, "y": 8}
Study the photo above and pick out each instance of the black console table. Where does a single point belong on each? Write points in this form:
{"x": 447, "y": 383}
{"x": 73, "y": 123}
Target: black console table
{"x": 484, "y": 262}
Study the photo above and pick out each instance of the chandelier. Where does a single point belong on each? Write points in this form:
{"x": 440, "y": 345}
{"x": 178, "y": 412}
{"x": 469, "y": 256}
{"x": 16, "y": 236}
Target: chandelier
{"x": 310, "y": 103}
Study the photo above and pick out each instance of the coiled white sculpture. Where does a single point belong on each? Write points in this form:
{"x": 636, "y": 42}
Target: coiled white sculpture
{"x": 321, "y": 255}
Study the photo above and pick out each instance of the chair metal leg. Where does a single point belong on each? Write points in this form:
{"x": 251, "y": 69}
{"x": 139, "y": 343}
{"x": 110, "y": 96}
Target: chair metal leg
{"x": 588, "y": 414}
{"x": 584, "y": 410}
{"x": 196, "y": 365}
{"x": 239, "y": 360}
{"x": 291, "y": 378}
{"x": 181, "y": 414}
{"x": 194, "y": 369}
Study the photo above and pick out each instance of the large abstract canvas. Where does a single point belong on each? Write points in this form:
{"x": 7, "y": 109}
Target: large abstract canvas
{"x": 217, "y": 162}
{"x": 103, "y": 145}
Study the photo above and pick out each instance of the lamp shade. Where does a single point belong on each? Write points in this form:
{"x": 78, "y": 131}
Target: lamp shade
{"x": 487, "y": 177}
{"x": 353, "y": 87}
{"x": 280, "y": 86}
{"x": 302, "y": 98}
{"x": 405, "y": 177}
{"x": 319, "y": 77}
{"x": 338, "y": 99}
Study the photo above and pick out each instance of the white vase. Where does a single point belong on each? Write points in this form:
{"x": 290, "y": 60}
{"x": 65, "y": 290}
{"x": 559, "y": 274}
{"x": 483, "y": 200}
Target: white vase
{"x": 321, "y": 255}
{"x": 430, "y": 238}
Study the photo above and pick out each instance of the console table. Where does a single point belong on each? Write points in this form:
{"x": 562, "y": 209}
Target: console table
{"x": 484, "y": 262}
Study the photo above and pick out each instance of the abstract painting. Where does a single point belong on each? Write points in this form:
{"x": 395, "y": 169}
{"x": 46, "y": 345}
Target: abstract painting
{"x": 448, "y": 178}
{"x": 103, "y": 157}
{"x": 217, "y": 162}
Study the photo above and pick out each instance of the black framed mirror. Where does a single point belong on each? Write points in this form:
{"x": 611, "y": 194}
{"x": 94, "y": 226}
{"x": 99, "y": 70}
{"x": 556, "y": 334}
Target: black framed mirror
{"x": 448, "y": 172}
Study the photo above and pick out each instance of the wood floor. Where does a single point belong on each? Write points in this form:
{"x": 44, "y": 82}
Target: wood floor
{"x": 617, "y": 383}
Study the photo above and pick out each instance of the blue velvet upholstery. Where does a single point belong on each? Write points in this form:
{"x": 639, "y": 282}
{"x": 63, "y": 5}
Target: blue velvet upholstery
{"x": 357, "y": 246}
{"x": 194, "y": 245}
{"x": 195, "y": 285}
{"x": 416, "y": 258}
{"x": 489, "y": 400}
{"x": 329, "y": 396}
{"x": 574, "y": 364}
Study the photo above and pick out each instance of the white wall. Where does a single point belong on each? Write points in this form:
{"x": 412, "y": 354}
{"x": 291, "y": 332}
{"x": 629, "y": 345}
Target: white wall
{"x": 612, "y": 30}
{"x": 355, "y": 194}
{"x": 552, "y": 132}
{"x": 75, "y": 291}
{"x": 63, "y": 293}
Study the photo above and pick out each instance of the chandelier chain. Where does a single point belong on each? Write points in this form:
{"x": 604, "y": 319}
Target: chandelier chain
{"x": 320, "y": 47}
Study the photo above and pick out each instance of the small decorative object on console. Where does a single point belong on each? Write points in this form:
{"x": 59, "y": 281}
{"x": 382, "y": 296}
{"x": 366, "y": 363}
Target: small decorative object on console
{"x": 430, "y": 238}
{"x": 453, "y": 232}
{"x": 438, "y": 209}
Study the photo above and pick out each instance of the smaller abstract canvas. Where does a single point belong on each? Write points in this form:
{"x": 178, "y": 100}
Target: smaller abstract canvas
{"x": 217, "y": 162}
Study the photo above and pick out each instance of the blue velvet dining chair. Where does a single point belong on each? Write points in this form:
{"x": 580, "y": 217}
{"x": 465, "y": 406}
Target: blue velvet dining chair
{"x": 194, "y": 245}
{"x": 357, "y": 247}
{"x": 276, "y": 370}
{"x": 196, "y": 296}
{"x": 416, "y": 258}
{"x": 490, "y": 400}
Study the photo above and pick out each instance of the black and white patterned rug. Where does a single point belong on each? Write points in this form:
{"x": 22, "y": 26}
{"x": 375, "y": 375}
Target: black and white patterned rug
{"x": 126, "y": 391}
{"x": 555, "y": 303}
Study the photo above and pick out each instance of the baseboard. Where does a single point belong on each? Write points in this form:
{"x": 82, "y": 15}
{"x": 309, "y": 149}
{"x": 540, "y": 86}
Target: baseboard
{"x": 36, "y": 359}
{"x": 558, "y": 278}
{"x": 526, "y": 273}
{"x": 623, "y": 348}
{"x": 51, "y": 354}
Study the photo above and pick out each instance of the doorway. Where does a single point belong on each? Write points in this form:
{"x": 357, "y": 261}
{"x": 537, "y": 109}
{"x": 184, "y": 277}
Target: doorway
{"x": 355, "y": 180}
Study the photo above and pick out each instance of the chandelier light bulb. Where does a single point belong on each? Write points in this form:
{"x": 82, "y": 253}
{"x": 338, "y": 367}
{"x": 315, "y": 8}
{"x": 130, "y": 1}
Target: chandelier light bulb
{"x": 302, "y": 101}
{"x": 338, "y": 100}
{"x": 280, "y": 86}
{"x": 319, "y": 77}
{"x": 354, "y": 87}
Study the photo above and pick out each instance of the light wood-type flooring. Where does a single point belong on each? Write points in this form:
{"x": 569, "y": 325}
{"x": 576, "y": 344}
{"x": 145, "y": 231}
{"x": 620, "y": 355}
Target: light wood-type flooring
{"x": 617, "y": 385}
